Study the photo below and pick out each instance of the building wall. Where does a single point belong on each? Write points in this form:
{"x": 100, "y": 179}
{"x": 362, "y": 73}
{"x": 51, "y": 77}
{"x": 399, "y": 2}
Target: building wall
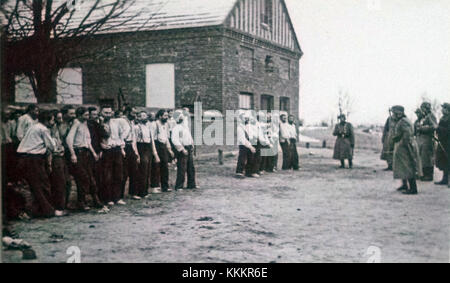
{"x": 196, "y": 54}
{"x": 260, "y": 81}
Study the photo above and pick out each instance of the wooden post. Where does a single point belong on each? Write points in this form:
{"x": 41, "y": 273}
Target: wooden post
{"x": 308, "y": 145}
{"x": 220, "y": 157}
{"x": 324, "y": 144}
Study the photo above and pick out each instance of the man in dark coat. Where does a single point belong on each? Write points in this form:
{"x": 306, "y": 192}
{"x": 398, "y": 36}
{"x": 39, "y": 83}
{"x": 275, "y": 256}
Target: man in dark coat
{"x": 407, "y": 166}
{"x": 345, "y": 143}
{"x": 388, "y": 145}
{"x": 443, "y": 149}
{"x": 424, "y": 129}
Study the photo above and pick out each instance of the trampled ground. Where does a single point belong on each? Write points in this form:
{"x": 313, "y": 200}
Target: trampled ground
{"x": 320, "y": 214}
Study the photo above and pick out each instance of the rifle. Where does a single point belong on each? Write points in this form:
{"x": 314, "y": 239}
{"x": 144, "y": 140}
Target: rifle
{"x": 441, "y": 146}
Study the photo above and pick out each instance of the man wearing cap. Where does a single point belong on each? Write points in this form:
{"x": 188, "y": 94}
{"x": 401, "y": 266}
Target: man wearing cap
{"x": 443, "y": 149}
{"x": 424, "y": 128}
{"x": 345, "y": 143}
{"x": 388, "y": 145}
{"x": 407, "y": 166}
{"x": 184, "y": 146}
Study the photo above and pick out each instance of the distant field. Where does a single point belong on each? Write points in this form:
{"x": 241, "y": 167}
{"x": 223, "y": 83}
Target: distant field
{"x": 363, "y": 140}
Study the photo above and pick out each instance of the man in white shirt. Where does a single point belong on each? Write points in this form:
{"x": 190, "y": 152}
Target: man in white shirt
{"x": 184, "y": 146}
{"x": 132, "y": 158}
{"x": 32, "y": 153}
{"x": 81, "y": 153}
{"x": 113, "y": 152}
{"x": 154, "y": 170}
{"x": 288, "y": 141}
{"x": 147, "y": 150}
{"x": 164, "y": 148}
{"x": 26, "y": 121}
{"x": 247, "y": 148}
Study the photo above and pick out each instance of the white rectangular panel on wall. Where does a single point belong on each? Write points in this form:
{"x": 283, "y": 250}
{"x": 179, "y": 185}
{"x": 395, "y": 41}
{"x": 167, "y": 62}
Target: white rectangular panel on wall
{"x": 160, "y": 86}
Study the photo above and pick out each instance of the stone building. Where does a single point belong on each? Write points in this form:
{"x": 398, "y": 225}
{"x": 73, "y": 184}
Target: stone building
{"x": 227, "y": 54}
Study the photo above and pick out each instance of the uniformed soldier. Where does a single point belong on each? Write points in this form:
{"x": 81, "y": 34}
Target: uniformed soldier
{"x": 345, "y": 143}
{"x": 406, "y": 164}
{"x": 388, "y": 145}
{"x": 443, "y": 149}
{"x": 424, "y": 128}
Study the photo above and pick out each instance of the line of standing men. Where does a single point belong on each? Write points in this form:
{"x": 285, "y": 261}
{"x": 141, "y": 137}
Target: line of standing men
{"x": 259, "y": 137}
{"x": 410, "y": 149}
{"x": 101, "y": 152}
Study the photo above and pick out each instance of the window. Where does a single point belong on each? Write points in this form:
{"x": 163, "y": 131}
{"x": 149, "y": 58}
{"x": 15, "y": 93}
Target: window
{"x": 246, "y": 59}
{"x": 69, "y": 87}
{"x": 160, "y": 86}
{"x": 266, "y": 17}
{"x": 23, "y": 90}
{"x": 246, "y": 101}
{"x": 285, "y": 69}
{"x": 270, "y": 66}
{"x": 285, "y": 104}
{"x": 267, "y": 102}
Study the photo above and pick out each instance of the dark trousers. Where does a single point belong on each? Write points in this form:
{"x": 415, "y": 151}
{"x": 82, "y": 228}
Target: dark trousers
{"x": 59, "y": 183}
{"x": 34, "y": 171}
{"x": 84, "y": 176}
{"x": 154, "y": 176}
{"x": 9, "y": 163}
{"x": 111, "y": 172}
{"x": 290, "y": 155}
{"x": 246, "y": 161}
{"x": 185, "y": 166}
{"x": 143, "y": 170}
{"x": 130, "y": 168}
{"x": 163, "y": 154}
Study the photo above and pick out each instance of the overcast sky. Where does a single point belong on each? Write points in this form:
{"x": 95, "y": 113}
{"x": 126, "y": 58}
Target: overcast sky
{"x": 382, "y": 53}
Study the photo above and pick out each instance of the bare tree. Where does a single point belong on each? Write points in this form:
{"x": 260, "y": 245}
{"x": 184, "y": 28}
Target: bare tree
{"x": 345, "y": 103}
{"x": 43, "y": 36}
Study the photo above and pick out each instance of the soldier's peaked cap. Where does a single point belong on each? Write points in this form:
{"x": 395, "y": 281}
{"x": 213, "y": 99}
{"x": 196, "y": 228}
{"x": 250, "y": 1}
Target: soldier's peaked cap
{"x": 446, "y": 106}
{"x": 398, "y": 108}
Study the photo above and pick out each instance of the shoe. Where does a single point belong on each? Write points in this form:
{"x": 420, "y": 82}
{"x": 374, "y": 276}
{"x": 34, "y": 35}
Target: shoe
{"x": 104, "y": 210}
{"x": 86, "y": 208}
{"x": 136, "y": 198}
{"x": 388, "y": 169}
{"x": 179, "y": 190}
{"x": 60, "y": 213}
{"x": 402, "y": 189}
{"x": 442, "y": 183}
{"x": 147, "y": 196}
{"x": 240, "y": 176}
{"x": 110, "y": 203}
{"x": 121, "y": 202}
{"x": 255, "y": 176}
{"x": 24, "y": 216}
{"x": 410, "y": 192}
{"x": 156, "y": 190}
{"x": 168, "y": 190}
{"x": 193, "y": 188}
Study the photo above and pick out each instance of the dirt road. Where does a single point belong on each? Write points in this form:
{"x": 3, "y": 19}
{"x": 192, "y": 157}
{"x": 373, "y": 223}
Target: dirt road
{"x": 319, "y": 214}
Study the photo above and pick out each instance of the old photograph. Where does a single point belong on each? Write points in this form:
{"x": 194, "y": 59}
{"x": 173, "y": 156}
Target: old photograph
{"x": 225, "y": 131}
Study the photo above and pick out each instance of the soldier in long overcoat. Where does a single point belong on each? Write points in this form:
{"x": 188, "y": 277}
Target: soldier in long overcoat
{"x": 345, "y": 143}
{"x": 424, "y": 129}
{"x": 443, "y": 148}
{"x": 388, "y": 145}
{"x": 407, "y": 166}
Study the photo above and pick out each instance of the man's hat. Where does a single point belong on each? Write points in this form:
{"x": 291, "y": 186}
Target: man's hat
{"x": 418, "y": 111}
{"x": 446, "y": 106}
{"x": 398, "y": 108}
{"x": 426, "y": 105}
